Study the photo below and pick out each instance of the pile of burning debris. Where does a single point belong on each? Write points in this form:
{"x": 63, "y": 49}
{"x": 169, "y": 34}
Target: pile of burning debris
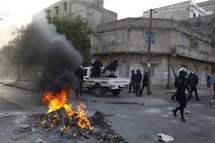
{"x": 63, "y": 124}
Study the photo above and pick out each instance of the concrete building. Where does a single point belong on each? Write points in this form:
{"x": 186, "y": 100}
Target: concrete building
{"x": 208, "y": 5}
{"x": 92, "y": 11}
{"x": 179, "y": 11}
{"x": 205, "y": 25}
{"x": 171, "y": 43}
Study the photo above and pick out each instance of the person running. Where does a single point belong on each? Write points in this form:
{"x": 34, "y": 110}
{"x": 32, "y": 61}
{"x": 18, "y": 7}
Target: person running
{"x": 182, "y": 85}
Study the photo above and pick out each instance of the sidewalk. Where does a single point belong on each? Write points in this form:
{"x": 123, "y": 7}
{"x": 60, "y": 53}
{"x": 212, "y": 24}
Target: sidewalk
{"x": 158, "y": 95}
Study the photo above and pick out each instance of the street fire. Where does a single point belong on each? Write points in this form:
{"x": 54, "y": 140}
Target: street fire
{"x": 62, "y": 123}
{"x": 58, "y": 100}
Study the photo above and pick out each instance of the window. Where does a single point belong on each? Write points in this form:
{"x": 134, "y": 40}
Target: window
{"x": 65, "y": 6}
{"x": 152, "y": 37}
{"x": 85, "y": 72}
{"x": 106, "y": 43}
{"x": 194, "y": 44}
{"x": 48, "y": 12}
{"x": 194, "y": 14}
{"x": 185, "y": 42}
{"x": 120, "y": 38}
{"x": 56, "y": 10}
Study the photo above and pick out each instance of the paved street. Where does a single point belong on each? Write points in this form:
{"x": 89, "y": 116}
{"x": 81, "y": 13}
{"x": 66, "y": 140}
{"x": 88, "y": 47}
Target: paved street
{"x": 137, "y": 119}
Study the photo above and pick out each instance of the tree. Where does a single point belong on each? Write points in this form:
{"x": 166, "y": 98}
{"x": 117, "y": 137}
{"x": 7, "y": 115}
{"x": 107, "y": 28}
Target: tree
{"x": 77, "y": 33}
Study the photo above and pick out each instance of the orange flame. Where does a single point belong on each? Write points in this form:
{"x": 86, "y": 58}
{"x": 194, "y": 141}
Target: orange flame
{"x": 58, "y": 100}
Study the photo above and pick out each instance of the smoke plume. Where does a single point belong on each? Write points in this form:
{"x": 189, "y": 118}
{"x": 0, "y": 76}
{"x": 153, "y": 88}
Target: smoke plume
{"x": 41, "y": 48}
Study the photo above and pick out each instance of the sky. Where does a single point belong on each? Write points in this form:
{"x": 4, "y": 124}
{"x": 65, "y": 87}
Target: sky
{"x": 20, "y": 11}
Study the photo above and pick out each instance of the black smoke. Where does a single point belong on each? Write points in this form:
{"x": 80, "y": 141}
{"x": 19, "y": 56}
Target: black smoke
{"x": 42, "y": 49}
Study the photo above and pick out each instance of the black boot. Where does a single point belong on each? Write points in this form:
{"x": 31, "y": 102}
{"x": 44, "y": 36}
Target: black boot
{"x": 183, "y": 119}
{"x": 174, "y": 112}
{"x": 172, "y": 98}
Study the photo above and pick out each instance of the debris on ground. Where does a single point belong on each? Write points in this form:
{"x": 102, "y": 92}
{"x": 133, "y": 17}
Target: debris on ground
{"x": 4, "y": 115}
{"x": 212, "y": 103}
{"x": 165, "y": 138}
{"x": 59, "y": 127}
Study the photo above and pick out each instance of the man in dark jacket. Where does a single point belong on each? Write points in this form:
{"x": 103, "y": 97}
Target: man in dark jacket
{"x": 182, "y": 85}
{"x": 112, "y": 68}
{"x": 79, "y": 74}
{"x": 97, "y": 67}
{"x": 113, "y": 65}
{"x": 144, "y": 82}
{"x": 132, "y": 82}
{"x": 138, "y": 79}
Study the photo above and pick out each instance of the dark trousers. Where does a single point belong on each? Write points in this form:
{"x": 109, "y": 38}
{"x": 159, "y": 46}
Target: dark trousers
{"x": 193, "y": 89}
{"x": 97, "y": 73}
{"x": 182, "y": 104}
{"x": 131, "y": 85}
{"x": 143, "y": 85}
{"x": 78, "y": 90}
{"x": 137, "y": 89}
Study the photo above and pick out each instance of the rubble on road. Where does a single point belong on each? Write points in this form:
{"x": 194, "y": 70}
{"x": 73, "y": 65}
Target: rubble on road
{"x": 65, "y": 128}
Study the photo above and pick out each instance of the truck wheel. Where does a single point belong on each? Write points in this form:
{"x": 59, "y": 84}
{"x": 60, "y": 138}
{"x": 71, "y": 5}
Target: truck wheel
{"x": 115, "y": 92}
{"x": 99, "y": 90}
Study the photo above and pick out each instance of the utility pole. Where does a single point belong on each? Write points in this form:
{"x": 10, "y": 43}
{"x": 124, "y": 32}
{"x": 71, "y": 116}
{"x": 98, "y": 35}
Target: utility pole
{"x": 149, "y": 53}
{"x": 18, "y": 60}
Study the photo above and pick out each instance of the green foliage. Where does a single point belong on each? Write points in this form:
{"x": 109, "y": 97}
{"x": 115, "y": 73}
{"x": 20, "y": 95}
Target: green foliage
{"x": 77, "y": 33}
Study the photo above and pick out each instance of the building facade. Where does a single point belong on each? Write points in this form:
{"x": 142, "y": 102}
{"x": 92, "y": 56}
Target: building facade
{"x": 179, "y": 11}
{"x": 171, "y": 43}
{"x": 208, "y": 5}
{"x": 92, "y": 11}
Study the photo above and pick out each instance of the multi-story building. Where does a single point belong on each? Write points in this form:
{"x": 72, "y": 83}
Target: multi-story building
{"x": 208, "y": 5}
{"x": 179, "y": 11}
{"x": 171, "y": 43}
{"x": 92, "y": 11}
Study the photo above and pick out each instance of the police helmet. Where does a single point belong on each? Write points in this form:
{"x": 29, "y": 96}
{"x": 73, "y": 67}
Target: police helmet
{"x": 182, "y": 70}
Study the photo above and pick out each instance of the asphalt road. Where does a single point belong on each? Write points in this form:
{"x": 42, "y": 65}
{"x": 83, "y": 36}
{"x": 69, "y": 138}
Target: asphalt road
{"x": 136, "y": 119}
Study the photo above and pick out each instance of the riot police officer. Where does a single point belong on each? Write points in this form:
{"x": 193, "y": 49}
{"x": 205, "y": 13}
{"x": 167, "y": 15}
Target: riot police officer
{"x": 138, "y": 79}
{"x": 193, "y": 81}
{"x": 132, "y": 82}
{"x": 181, "y": 84}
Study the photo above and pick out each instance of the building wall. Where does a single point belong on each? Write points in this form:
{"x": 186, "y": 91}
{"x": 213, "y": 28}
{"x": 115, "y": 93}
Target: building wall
{"x": 179, "y": 11}
{"x": 208, "y": 5}
{"x": 90, "y": 10}
{"x": 173, "y": 43}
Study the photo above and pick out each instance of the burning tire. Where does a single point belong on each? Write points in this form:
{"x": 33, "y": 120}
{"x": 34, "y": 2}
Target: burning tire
{"x": 115, "y": 92}
{"x": 99, "y": 90}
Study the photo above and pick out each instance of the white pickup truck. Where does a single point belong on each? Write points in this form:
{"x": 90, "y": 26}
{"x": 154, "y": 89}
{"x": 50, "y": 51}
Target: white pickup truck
{"x": 103, "y": 84}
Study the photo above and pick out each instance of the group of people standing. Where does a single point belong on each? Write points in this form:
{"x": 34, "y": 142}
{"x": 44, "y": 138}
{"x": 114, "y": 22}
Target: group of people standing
{"x": 192, "y": 80}
{"x": 185, "y": 83}
{"x": 135, "y": 82}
